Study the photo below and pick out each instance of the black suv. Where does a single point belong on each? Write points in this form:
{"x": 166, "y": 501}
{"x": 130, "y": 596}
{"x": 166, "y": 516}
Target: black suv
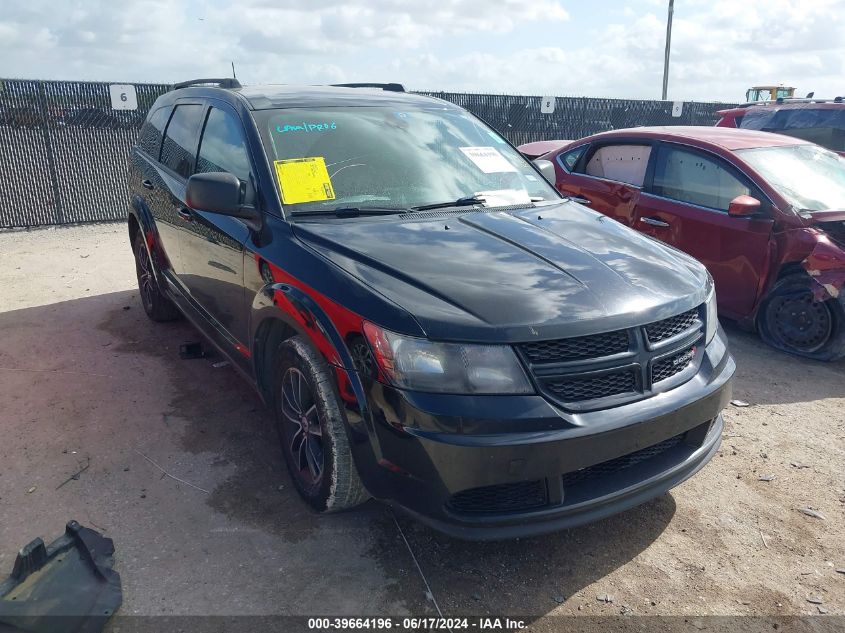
{"x": 432, "y": 322}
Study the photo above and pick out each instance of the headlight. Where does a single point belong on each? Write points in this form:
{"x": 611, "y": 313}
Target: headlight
{"x": 422, "y": 365}
{"x": 711, "y": 317}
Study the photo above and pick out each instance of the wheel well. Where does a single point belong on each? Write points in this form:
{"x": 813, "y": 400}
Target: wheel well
{"x": 134, "y": 227}
{"x": 269, "y": 336}
{"x": 791, "y": 268}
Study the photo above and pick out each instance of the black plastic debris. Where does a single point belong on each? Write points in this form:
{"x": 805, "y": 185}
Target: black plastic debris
{"x": 188, "y": 351}
{"x": 68, "y": 586}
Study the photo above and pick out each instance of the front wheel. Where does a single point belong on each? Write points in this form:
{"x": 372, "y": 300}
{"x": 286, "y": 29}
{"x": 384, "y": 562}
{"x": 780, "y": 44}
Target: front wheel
{"x": 312, "y": 432}
{"x": 791, "y": 319}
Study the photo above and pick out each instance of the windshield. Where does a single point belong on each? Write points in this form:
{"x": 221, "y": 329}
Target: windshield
{"x": 810, "y": 177}
{"x": 392, "y": 157}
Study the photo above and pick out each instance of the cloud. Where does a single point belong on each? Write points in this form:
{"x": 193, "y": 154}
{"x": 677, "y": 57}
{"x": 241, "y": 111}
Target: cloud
{"x": 719, "y": 47}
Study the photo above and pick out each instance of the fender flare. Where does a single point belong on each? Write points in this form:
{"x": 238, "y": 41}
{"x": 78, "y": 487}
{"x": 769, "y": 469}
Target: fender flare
{"x": 308, "y": 319}
{"x": 140, "y": 211}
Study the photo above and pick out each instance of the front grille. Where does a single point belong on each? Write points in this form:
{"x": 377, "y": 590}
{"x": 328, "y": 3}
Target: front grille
{"x": 620, "y": 463}
{"x": 675, "y": 364}
{"x": 501, "y": 498}
{"x": 586, "y": 373}
{"x": 578, "y": 348}
{"x": 579, "y": 389}
{"x": 667, "y": 328}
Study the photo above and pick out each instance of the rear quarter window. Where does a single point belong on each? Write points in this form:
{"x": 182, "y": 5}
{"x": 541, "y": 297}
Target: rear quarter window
{"x": 149, "y": 139}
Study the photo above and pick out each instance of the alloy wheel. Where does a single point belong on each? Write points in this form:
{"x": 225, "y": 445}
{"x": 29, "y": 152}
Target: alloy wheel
{"x": 145, "y": 276}
{"x": 303, "y": 435}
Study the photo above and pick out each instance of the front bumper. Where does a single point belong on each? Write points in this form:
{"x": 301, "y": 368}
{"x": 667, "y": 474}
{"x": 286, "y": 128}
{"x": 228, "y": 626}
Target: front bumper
{"x": 492, "y": 467}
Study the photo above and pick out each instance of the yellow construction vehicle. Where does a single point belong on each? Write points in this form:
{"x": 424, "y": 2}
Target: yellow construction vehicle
{"x": 769, "y": 93}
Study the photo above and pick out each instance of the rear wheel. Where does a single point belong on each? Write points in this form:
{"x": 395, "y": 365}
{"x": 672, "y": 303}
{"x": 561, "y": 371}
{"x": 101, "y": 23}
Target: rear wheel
{"x": 157, "y": 306}
{"x": 791, "y": 319}
{"x": 312, "y": 432}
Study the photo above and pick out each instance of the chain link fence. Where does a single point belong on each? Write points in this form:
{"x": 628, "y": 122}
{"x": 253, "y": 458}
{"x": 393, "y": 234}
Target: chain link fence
{"x": 64, "y": 145}
{"x": 522, "y": 120}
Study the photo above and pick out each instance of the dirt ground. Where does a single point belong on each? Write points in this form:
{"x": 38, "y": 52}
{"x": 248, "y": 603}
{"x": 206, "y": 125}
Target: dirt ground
{"x": 85, "y": 378}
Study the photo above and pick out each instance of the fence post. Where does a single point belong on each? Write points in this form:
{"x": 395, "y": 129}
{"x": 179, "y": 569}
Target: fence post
{"x": 51, "y": 158}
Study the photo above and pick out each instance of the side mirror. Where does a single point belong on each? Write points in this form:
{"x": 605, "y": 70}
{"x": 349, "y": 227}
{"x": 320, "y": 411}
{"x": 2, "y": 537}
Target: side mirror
{"x": 220, "y": 192}
{"x": 546, "y": 168}
{"x": 743, "y": 207}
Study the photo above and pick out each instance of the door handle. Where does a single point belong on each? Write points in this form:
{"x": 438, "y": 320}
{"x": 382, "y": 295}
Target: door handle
{"x": 654, "y": 222}
{"x": 146, "y": 184}
{"x": 580, "y": 200}
{"x": 185, "y": 214}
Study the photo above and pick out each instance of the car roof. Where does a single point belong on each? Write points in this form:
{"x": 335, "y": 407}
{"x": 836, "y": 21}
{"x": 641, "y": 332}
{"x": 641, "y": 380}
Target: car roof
{"x": 272, "y": 96}
{"x": 723, "y": 137}
{"x": 786, "y": 105}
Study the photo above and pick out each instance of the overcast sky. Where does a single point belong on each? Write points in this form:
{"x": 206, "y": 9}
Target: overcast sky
{"x": 608, "y": 48}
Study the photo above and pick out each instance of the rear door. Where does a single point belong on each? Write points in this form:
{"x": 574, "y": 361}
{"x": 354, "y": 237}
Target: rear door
{"x": 213, "y": 244}
{"x": 606, "y": 176}
{"x": 151, "y": 187}
{"x": 685, "y": 204}
{"x": 178, "y": 150}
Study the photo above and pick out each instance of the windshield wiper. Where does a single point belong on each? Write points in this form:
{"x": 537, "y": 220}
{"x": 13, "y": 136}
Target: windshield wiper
{"x": 466, "y": 201}
{"x": 350, "y": 212}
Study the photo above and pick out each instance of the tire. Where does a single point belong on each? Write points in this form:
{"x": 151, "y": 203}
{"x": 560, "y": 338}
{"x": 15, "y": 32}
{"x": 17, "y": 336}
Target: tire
{"x": 157, "y": 306}
{"x": 319, "y": 460}
{"x": 792, "y": 320}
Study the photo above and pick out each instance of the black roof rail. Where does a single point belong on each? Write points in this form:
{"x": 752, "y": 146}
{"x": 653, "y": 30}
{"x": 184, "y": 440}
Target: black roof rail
{"x": 388, "y": 87}
{"x": 787, "y": 100}
{"x": 227, "y": 83}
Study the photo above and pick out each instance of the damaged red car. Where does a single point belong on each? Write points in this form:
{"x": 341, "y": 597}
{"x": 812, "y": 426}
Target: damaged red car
{"x": 765, "y": 213}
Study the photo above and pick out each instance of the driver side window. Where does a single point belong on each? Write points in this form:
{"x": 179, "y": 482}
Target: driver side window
{"x": 691, "y": 177}
{"x": 223, "y": 147}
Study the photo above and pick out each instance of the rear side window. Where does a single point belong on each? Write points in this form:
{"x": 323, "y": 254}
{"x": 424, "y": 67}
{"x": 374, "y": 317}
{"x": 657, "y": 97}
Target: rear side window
{"x": 690, "y": 177}
{"x": 622, "y": 163}
{"x": 149, "y": 138}
{"x": 223, "y": 147}
{"x": 180, "y": 140}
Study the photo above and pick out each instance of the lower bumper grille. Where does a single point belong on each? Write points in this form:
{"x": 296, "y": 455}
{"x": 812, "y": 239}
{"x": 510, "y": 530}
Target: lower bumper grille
{"x": 620, "y": 463}
{"x": 579, "y": 485}
{"x": 501, "y": 498}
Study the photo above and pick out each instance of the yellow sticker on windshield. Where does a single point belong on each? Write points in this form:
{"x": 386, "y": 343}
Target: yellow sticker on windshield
{"x": 304, "y": 180}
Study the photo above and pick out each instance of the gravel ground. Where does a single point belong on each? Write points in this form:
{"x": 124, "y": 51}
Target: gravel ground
{"x": 86, "y": 378}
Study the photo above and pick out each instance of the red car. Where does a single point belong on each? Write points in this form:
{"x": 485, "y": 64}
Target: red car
{"x": 817, "y": 121}
{"x": 764, "y": 212}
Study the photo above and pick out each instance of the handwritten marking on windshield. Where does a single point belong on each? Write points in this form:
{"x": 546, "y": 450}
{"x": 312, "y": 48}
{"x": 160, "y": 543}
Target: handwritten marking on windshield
{"x": 306, "y": 127}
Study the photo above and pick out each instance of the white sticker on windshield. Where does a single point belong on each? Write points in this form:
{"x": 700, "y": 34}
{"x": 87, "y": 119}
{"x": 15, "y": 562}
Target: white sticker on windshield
{"x": 488, "y": 159}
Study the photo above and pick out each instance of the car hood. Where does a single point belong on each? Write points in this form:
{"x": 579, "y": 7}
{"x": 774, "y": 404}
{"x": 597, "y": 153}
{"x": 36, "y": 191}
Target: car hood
{"x": 512, "y": 275}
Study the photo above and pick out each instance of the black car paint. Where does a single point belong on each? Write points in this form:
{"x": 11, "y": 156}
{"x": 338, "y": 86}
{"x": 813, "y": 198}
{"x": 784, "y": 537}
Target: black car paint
{"x": 504, "y": 276}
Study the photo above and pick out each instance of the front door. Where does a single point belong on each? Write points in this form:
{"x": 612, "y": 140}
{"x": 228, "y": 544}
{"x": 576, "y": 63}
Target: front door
{"x": 686, "y": 206}
{"x": 212, "y": 245}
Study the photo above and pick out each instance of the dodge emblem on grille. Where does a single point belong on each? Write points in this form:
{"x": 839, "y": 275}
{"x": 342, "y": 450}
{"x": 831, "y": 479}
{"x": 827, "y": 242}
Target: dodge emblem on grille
{"x": 685, "y": 358}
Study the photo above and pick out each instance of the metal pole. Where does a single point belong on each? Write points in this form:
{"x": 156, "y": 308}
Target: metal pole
{"x": 50, "y": 153}
{"x": 668, "y": 46}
